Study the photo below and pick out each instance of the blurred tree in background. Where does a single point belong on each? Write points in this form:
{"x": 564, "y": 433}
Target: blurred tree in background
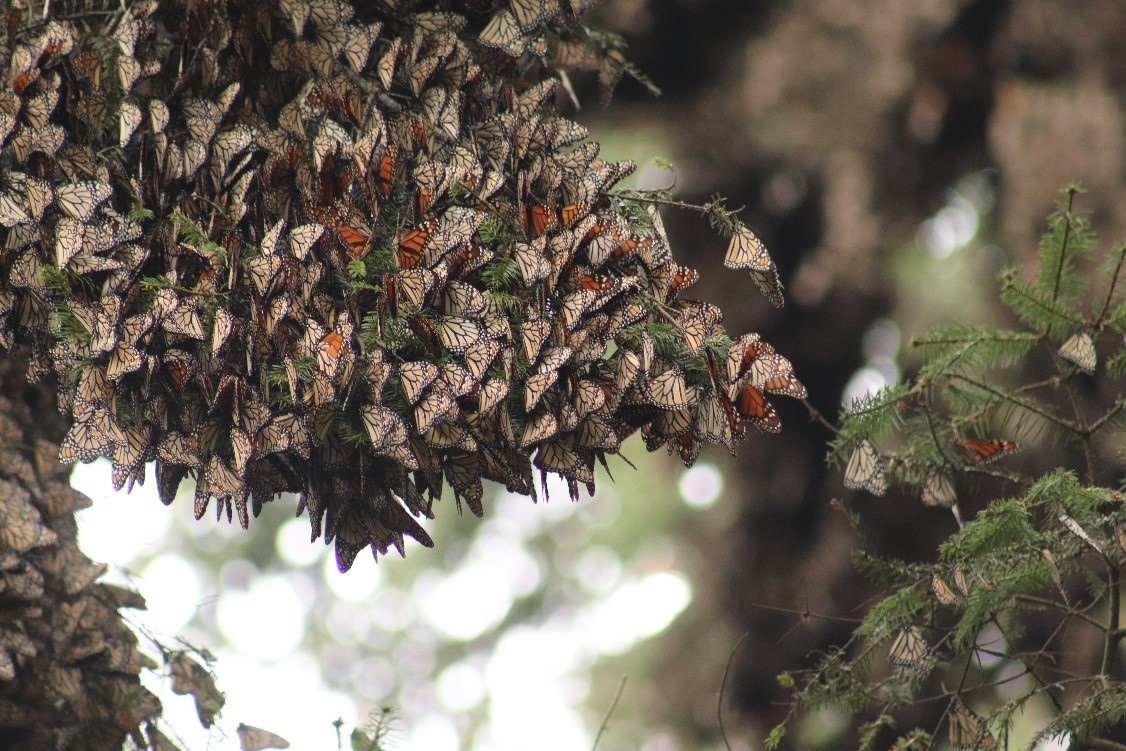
{"x": 864, "y": 138}
{"x": 891, "y": 158}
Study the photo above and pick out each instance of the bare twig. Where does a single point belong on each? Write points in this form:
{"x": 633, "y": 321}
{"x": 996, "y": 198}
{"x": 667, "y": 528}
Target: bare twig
{"x": 723, "y": 685}
{"x": 609, "y": 712}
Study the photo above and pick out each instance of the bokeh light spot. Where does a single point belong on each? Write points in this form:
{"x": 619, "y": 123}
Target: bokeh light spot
{"x": 701, "y": 486}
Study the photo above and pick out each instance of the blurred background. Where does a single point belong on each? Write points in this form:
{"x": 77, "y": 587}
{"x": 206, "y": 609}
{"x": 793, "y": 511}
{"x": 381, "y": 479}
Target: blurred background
{"x": 893, "y": 157}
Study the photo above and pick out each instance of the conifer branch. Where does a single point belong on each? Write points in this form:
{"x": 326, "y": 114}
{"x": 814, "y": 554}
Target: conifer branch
{"x": 1016, "y": 402}
{"x": 1055, "y": 605}
{"x": 1113, "y": 284}
{"x": 1106, "y": 418}
{"x": 1110, "y": 646}
{"x": 1071, "y": 191}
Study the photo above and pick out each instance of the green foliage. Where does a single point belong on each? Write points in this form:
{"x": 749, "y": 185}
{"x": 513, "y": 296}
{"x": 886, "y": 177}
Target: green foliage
{"x": 1037, "y": 547}
{"x": 964, "y": 347}
{"x": 191, "y": 233}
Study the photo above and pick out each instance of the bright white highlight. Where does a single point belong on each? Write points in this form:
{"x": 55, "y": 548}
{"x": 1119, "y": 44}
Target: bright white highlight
{"x": 265, "y": 622}
{"x": 293, "y": 543}
{"x": 882, "y": 339}
{"x": 171, "y": 589}
{"x": 461, "y": 686}
{"x": 359, "y": 583}
{"x": 119, "y": 526}
{"x": 1060, "y": 742}
{"x": 700, "y": 487}
{"x": 951, "y": 229}
{"x": 864, "y": 382}
{"x": 434, "y": 734}
{"x": 529, "y": 693}
{"x": 636, "y": 610}
{"x": 470, "y": 601}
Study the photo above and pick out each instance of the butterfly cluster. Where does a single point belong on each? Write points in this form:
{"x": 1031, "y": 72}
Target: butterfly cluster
{"x": 352, "y": 252}
{"x": 69, "y": 662}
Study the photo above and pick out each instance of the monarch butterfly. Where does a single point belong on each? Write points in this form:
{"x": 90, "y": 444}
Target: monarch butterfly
{"x": 742, "y": 353}
{"x": 942, "y": 591}
{"x": 242, "y": 450}
{"x": 124, "y": 359}
{"x": 457, "y": 334}
{"x": 553, "y": 359}
{"x": 785, "y": 383}
{"x": 302, "y": 239}
{"x": 589, "y": 397}
{"x": 158, "y": 115}
{"x": 478, "y": 357}
{"x": 11, "y": 212}
{"x": 503, "y": 33}
{"x": 770, "y": 285}
{"x": 910, "y": 650}
{"x": 385, "y": 67}
{"x": 331, "y": 350}
{"x": 533, "y": 266}
{"x": 865, "y": 470}
{"x": 194, "y": 155}
{"x": 670, "y": 424}
{"x": 262, "y": 271}
{"x": 455, "y": 379}
{"x": 221, "y": 328}
{"x": 464, "y": 166}
{"x": 38, "y": 109}
{"x": 967, "y": 731}
{"x": 575, "y": 305}
{"x": 177, "y": 448}
{"x": 412, "y": 246}
{"x": 985, "y": 450}
{"x": 469, "y": 259}
{"x": 624, "y": 368}
{"x": 361, "y": 39}
{"x": 184, "y": 320}
{"x": 557, "y": 457}
{"x": 463, "y": 471}
{"x": 99, "y": 324}
{"x": 128, "y": 71}
{"x": 415, "y": 377}
{"x": 93, "y": 388}
{"x": 461, "y": 299}
{"x": 412, "y": 284}
{"x": 746, "y": 251}
{"x": 384, "y": 427}
{"x": 447, "y": 435}
{"x": 492, "y": 393}
{"x": 93, "y": 434}
{"x": 229, "y": 143}
{"x": 540, "y": 427}
{"x": 433, "y": 408}
{"x": 536, "y": 385}
{"x": 540, "y": 218}
{"x": 687, "y": 447}
{"x": 648, "y": 350}
{"x": 273, "y": 313}
{"x": 938, "y": 488}
{"x": 251, "y": 738}
{"x": 694, "y": 331}
{"x": 712, "y": 423}
{"x": 430, "y": 177}
{"x": 38, "y": 194}
{"x": 1079, "y": 350}
{"x": 460, "y": 222}
{"x": 753, "y": 407}
{"x": 669, "y": 391}
{"x": 533, "y": 334}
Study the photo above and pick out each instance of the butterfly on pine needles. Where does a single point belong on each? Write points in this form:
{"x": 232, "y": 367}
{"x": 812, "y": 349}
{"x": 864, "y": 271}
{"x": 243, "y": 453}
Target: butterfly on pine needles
{"x": 865, "y": 470}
